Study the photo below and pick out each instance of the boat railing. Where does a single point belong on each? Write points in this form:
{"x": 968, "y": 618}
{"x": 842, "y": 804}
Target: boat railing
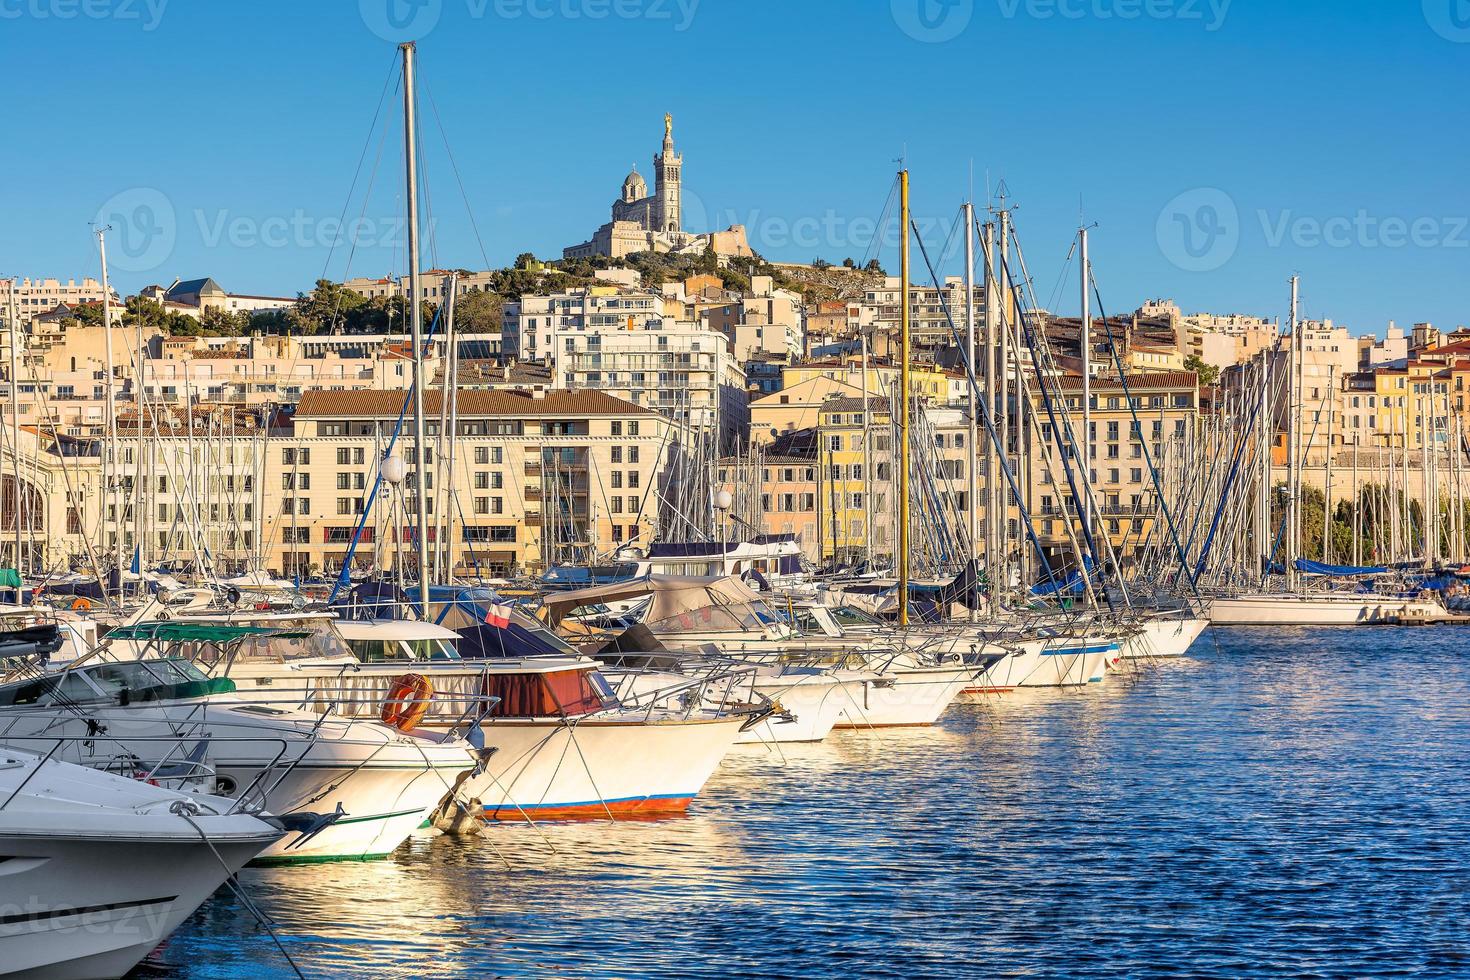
{"x": 151, "y": 776}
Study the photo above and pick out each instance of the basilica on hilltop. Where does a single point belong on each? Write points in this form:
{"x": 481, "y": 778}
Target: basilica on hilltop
{"x": 644, "y": 222}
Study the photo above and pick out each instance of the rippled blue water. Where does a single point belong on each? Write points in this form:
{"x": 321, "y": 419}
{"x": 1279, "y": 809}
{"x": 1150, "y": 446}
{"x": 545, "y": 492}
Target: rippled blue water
{"x": 1281, "y": 803}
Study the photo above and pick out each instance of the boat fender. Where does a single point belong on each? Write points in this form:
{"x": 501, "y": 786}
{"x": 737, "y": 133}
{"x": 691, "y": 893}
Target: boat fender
{"x": 407, "y": 701}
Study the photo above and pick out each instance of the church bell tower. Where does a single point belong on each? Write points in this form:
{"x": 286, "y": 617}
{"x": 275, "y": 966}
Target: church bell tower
{"x": 666, "y": 167}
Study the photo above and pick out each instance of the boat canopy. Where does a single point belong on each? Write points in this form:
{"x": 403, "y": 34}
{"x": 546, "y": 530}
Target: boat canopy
{"x": 1319, "y": 568}
{"x": 672, "y": 596}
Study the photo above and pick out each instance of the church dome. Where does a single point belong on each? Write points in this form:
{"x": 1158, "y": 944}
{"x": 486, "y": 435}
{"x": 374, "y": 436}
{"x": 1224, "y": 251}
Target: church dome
{"x": 634, "y": 186}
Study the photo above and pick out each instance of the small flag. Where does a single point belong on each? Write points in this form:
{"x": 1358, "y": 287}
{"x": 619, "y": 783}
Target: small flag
{"x": 498, "y": 616}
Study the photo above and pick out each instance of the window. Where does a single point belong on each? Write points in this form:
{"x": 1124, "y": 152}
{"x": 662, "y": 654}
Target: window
{"x": 482, "y": 455}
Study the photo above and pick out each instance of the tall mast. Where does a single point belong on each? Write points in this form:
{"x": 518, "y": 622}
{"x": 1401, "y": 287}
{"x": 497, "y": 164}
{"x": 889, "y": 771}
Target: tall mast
{"x": 1004, "y": 396}
{"x": 416, "y": 320}
{"x": 15, "y": 429}
{"x": 903, "y": 400}
{"x": 1293, "y": 446}
{"x": 867, "y": 457}
{"x": 1267, "y": 426}
{"x": 992, "y": 479}
{"x": 1085, "y": 343}
{"x": 1327, "y": 476}
{"x": 109, "y": 475}
{"x": 972, "y": 486}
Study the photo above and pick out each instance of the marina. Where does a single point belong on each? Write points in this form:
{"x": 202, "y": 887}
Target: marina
{"x": 703, "y": 598}
{"x": 1278, "y": 802}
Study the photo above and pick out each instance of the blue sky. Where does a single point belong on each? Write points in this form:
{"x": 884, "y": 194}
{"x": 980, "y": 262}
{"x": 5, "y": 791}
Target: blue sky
{"x": 1219, "y": 146}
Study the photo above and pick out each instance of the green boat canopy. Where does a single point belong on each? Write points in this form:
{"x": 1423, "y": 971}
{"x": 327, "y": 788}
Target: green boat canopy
{"x": 171, "y": 631}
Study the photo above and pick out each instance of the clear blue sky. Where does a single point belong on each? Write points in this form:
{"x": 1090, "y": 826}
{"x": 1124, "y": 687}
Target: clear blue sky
{"x": 1218, "y": 150}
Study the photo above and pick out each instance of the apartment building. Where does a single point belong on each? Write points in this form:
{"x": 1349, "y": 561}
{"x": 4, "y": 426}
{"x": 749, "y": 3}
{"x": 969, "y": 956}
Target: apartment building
{"x": 1166, "y": 406}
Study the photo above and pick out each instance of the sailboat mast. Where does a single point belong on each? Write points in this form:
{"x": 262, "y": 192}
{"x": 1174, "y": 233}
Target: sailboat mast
{"x": 1084, "y": 342}
{"x": 973, "y": 484}
{"x": 1293, "y": 446}
{"x": 416, "y": 321}
{"x": 992, "y": 480}
{"x": 15, "y": 429}
{"x": 903, "y": 417}
{"x": 109, "y": 477}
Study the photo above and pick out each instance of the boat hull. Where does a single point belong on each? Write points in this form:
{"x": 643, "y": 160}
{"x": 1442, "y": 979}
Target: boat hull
{"x": 1285, "y": 610}
{"x": 94, "y": 908}
{"x": 550, "y": 769}
{"x": 904, "y": 696}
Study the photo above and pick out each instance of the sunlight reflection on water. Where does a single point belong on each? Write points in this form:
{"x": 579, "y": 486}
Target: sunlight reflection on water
{"x": 1287, "y": 802}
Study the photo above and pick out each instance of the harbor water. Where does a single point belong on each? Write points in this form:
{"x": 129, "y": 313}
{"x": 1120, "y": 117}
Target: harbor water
{"x": 1279, "y": 803}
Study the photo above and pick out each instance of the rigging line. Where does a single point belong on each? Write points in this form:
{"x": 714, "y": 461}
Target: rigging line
{"x": 367, "y": 142}
{"x": 985, "y": 413}
{"x": 454, "y": 166}
{"x": 1133, "y": 413}
{"x": 875, "y": 245}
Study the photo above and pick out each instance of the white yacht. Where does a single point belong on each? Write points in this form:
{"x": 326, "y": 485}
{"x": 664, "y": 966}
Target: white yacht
{"x": 99, "y": 869}
{"x": 346, "y": 788}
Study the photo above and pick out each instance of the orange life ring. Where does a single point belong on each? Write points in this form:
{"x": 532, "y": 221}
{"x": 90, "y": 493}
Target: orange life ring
{"x": 407, "y": 701}
{"x": 80, "y": 604}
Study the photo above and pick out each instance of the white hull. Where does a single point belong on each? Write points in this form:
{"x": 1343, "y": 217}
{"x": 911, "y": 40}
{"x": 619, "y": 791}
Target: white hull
{"x": 547, "y": 768}
{"x": 99, "y": 869}
{"x": 386, "y": 783}
{"x": 1049, "y": 663}
{"x": 1290, "y": 610}
{"x": 807, "y": 709}
{"x": 903, "y": 696}
{"x": 1165, "y": 637}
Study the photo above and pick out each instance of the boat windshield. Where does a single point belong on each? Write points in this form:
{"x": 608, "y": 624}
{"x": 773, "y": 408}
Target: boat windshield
{"x": 390, "y": 651}
{"x": 735, "y": 617}
{"x": 124, "y": 681}
{"x": 300, "y": 640}
{"x": 848, "y": 616}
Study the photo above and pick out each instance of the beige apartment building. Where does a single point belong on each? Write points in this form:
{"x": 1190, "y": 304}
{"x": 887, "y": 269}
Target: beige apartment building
{"x": 536, "y": 478}
{"x": 36, "y": 296}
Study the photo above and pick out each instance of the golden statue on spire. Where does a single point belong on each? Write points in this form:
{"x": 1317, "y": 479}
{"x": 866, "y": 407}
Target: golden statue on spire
{"x": 668, "y": 126}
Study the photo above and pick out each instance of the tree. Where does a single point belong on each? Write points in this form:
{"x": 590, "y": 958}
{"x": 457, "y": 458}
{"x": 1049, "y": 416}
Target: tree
{"x": 478, "y": 312}
{"x": 873, "y": 266}
{"x": 526, "y": 260}
{"x": 848, "y": 263}
{"x": 326, "y": 308}
{"x": 1208, "y": 373}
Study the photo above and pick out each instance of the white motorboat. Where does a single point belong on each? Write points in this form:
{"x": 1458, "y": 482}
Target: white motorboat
{"x": 346, "y": 788}
{"x": 558, "y": 742}
{"x": 99, "y": 869}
